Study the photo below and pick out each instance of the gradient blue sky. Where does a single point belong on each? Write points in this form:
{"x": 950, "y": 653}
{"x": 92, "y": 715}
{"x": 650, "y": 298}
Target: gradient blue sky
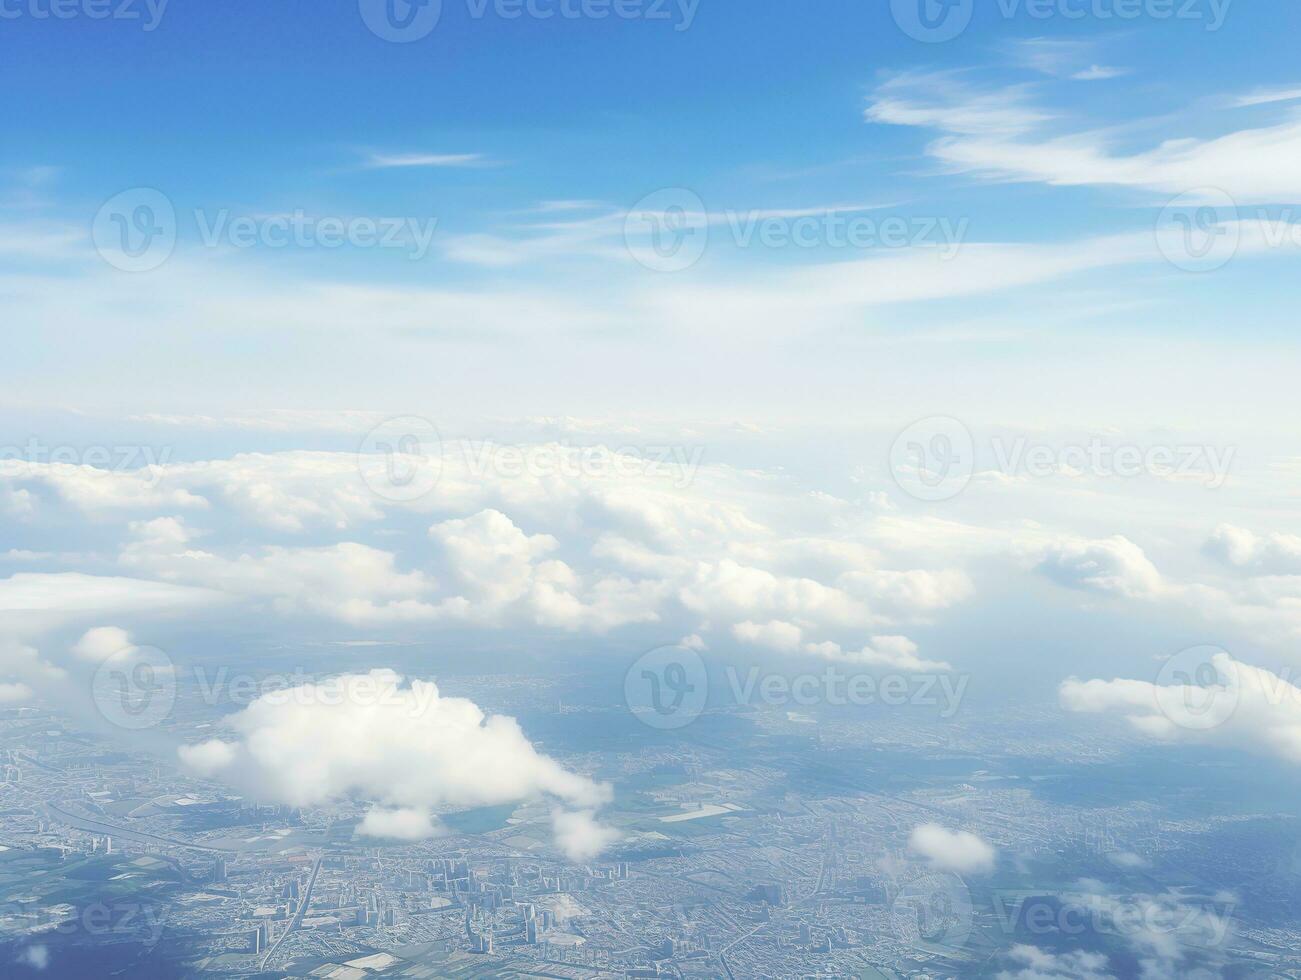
{"x": 270, "y": 108}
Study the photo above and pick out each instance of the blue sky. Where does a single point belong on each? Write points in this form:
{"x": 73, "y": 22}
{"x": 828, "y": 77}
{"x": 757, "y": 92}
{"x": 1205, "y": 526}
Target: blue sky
{"x": 528, "y": 140}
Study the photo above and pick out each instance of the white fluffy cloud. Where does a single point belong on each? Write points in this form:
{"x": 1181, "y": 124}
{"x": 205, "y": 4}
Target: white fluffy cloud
{"x": 103, "y": 643}
{"x": 14, "y": 693}
{"x": 579, "y": 835}
{"x": 775, "y": 635}
{"x": 21, "y": 666}
{"x": 351, "y": 582}
{"x": 401, "y": 824}
{"x": 405, "y": 746}
{"x": 1111, "y": 566}
{"x": 68, "y": 595}
{"x": 505, "y": 576}
{"x": 1211, "y": 699}
{"x": 633, "y": 540}
{"x": 1270, "y": 554}
{"x": 208, "y": 758}
{"x": 952, "y": 850}
{"x": 894, "y": 652}
{"x": 1032, "y": 963}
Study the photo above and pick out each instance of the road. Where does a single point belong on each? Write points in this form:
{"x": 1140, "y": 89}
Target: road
{"x": 298, "y": 916}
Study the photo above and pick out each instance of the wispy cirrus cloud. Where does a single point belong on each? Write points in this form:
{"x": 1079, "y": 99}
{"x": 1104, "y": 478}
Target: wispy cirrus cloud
{"x": 389, "y": 161}
{"x": 1063, "y": 58}
{"x": 1266, "y": 96}
{"x": 1001, "y": 135}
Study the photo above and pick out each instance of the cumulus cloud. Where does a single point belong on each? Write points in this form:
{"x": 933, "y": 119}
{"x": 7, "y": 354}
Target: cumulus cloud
{"x": 640, "y": 543}
{"x": 351, "y": 582}
{"x": 729, "y": 590}
{"x": 103, "y": 643}
{"x": 406, "y": 746}
{"x": 1032, "y": 963}
{"x": 775, "y": 635}
{"x": 99, "y": 489}
{"x": 21, "y": 667}
{"x": 1110, "y": 566}
{"x": 208, "y": 758}
{"x": 14, "y": 693}
{"x": 37, "y": 957}
{"x": 400, "y": 824}
{"x": 1165, "y": 931}
{"x": 894, "y": 652}
{"x": 579, "y": 835}
{"x": 16, "y": 503}
{"x": 1240, "y": 548}
{"x": 1211, "y": 699}
{"x": 952, "y": 850}
{"x": 909, "y": 592}
{"x": 504, "y": 575}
